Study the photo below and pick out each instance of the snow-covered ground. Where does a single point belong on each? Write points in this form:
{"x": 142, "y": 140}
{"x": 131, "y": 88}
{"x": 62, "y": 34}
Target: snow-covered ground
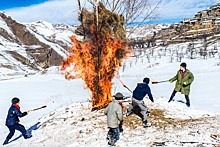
{"x": 68, "y": 119}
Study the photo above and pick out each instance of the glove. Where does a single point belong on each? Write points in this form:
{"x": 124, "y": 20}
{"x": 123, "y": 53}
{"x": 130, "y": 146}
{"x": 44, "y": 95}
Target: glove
{"x": 120, "y": 126}
{"x": 121, "y": 129}
{"x": 184, "y": 84}
{"x": 152, "y": 100}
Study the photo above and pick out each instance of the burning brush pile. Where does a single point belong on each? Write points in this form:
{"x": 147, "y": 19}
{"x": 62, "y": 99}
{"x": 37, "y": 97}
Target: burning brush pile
{"x": 97, "y": 57}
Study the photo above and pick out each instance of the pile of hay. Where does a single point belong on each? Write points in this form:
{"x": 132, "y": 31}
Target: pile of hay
{"x": 108, "y": 22}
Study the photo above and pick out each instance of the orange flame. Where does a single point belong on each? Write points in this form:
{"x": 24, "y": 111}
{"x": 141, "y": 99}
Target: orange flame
{"x": 95, "y": 61}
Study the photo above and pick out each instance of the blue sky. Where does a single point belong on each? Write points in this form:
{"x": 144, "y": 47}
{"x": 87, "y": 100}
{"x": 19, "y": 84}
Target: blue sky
{"x": 65, "y": 11}
{"x": 7, "y": 4}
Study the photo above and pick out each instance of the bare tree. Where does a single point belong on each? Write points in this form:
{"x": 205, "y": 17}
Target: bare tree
{"x": 132, "y": 10}
{"x": 179, "y": 54}
{"x": 219, "y": 54}
{"x": 191, "y": 50}
{"x": 203, "y": 53}
{"x": 205, "y": 43}
{"x": 213, "y": 51}
{"x": 171, "y": 57}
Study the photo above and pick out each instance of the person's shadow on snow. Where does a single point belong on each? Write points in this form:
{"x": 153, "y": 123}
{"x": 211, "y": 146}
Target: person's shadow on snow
{"x": 29, "y": 131}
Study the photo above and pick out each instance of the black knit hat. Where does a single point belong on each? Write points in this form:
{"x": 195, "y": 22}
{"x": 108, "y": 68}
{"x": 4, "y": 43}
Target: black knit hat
{"x": 118, "y": 96}
{"x": 15, "y": 100}
{"x": 183, "y": 64}
{"x": 146, "y": 80}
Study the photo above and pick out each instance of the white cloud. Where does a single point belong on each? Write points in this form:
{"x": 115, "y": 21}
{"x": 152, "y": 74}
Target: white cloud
{"x": 65, "y": 11}
{"x": 171, "y": 9}
{"x": 56, "y": 11}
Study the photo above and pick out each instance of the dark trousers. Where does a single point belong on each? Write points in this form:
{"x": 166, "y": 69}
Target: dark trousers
{"x": 113, "y": 134}
{"x": 139, "y": 108}
{"x": 186, "y": 97}
{"x": 18, "y": 127}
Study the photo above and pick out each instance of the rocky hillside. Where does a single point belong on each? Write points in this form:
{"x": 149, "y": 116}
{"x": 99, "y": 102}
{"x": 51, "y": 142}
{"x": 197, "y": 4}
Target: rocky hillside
{"x": 203, "y": 27}
{"x": 205, "y": 23}
{"x": 27, "y": 48}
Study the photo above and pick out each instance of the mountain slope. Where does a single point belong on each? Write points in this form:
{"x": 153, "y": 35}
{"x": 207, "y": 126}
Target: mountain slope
{"x": 31, "y": 47}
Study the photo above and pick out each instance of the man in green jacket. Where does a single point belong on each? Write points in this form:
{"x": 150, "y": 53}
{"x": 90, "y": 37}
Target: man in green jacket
{"x": 183, "y": 79}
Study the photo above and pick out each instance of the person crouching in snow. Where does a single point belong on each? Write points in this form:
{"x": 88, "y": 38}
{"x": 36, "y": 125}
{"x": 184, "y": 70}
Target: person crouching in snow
{"x": 137, "y": 106}
{"x": 12, "y": 120}
{"x": 114, "y": 118}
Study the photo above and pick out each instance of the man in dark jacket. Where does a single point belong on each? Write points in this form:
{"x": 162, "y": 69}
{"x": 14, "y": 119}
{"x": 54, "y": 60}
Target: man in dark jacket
{"x": 137, "y": 104}
{"x": 184, "y": 79}
{"x": 12, "y": 120}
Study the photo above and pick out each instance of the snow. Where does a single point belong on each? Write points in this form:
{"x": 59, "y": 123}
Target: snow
{"x": 4, "y": 26}
{"x": 45, "y": 32}
{"x": 145, "y": 30}
{"x": 56, "y": 47}
{"x": 68, "y": 120}
{"x": 47, "y": 29}
{"x": 37, "y": 90}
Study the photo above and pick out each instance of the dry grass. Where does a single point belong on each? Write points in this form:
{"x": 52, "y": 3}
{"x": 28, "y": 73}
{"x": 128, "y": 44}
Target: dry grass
{"x": 158, "y": 120}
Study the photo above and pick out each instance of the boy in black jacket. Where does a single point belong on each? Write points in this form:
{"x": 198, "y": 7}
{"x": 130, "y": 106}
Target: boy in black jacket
{"x": 12, "y": 120}
{"x": 137, "y": 104}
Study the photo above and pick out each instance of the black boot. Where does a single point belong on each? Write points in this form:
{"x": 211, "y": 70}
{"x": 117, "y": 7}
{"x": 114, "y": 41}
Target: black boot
{"x": 170, "y": 100}
{"x": 187, "y": 101}
{"x": 111, "y": 142}
{"x": 172, "y": 96}
{"x": 5, "y": 142}
{"x": 187, "y": 104}
{"x": 27, "y": 136}
{"x": 146, "y": 124}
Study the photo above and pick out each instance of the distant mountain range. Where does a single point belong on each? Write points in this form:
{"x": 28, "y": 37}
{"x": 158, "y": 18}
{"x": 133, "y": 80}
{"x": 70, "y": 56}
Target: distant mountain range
{"x": 27, "y": 48}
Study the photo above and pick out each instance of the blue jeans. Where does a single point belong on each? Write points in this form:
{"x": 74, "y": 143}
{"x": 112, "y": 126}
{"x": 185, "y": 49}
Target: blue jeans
{"x": 18, "y": 127}
{"x": 113, "y": 134}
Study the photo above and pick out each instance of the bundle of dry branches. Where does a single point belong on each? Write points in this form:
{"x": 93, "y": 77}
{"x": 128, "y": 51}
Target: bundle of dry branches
{"x": 107, "y": 22}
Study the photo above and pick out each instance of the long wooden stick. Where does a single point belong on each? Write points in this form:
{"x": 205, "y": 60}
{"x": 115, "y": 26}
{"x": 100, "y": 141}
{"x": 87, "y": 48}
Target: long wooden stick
{"x": 97, "y": 14}
{"x": 123, "y": 83}
{"x": 39, "y": 108}
{"x": 156, "y": 82}
{"x": 79, "y": 4}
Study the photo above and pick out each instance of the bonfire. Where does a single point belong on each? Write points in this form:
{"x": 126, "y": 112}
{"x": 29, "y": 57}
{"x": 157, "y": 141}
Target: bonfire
{"x": 97, "y": 57}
